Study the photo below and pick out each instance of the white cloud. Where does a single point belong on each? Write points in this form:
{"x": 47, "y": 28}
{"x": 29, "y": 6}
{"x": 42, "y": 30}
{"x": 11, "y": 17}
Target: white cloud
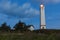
{"x": 46, "y": 1}
{"x": 56, "y": 1}
{"x": 15, "y": 10}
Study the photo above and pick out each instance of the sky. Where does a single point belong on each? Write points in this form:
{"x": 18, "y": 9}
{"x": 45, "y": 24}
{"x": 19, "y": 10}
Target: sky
{"x": 28, "y": 11}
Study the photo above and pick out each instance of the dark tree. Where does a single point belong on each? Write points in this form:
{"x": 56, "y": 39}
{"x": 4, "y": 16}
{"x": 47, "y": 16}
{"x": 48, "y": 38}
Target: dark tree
{"x": 5, "y": 28}
{"x": 20, "y": 26}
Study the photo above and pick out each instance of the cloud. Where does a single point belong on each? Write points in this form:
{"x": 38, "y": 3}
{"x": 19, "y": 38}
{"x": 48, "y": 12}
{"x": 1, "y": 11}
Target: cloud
{"x": 13, "y": 9}
{"x": 56, "y": 1}
{"x": 46, "y": 1}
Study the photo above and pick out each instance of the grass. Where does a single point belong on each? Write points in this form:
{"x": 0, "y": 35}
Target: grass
{"x": 29, "y": 36}
{"x": 36, "y": 35}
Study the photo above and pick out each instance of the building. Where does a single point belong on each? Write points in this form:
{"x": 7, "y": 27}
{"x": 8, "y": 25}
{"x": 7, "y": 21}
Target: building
{"x": 30, "y": 27}
{"x": 42, "y": 17}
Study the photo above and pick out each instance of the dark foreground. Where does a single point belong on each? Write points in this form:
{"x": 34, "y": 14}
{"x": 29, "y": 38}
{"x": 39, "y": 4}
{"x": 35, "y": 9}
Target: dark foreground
{"x": 35, "y": 35}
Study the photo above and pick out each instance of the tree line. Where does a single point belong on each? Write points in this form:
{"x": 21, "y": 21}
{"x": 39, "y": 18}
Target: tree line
{"x": 19, "y": 27}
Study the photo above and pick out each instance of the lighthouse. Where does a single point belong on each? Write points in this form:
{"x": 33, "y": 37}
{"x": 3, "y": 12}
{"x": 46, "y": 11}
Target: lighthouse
{"x": 42, "y": 17}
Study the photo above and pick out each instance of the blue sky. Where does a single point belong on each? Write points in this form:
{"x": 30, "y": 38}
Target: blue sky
{"x": 28, "y": 11}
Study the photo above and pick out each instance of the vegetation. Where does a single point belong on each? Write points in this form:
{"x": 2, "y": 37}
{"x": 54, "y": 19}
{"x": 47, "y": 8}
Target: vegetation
{"x": 20, "y": 32}
{"x": 5, "y": 28}
{"x": 29, "y": 36}
{"x": 19, "y": 27}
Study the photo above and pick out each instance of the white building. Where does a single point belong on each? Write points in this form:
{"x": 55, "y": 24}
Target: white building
{"x": 31, "y": 28}
{"x": 42, "y": 17}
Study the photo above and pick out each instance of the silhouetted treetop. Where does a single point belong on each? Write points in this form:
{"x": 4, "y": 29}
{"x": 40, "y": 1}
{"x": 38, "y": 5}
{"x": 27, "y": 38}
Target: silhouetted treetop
{"x": 20, "y": 26}
{"x": 4, "y": 27}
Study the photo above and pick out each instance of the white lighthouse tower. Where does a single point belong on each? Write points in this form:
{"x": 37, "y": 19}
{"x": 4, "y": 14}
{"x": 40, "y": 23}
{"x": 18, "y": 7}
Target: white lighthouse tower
{"x": 42, "y": 17}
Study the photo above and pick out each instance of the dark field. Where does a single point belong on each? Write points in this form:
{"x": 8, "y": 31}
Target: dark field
{"x": 35, "y": 35}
